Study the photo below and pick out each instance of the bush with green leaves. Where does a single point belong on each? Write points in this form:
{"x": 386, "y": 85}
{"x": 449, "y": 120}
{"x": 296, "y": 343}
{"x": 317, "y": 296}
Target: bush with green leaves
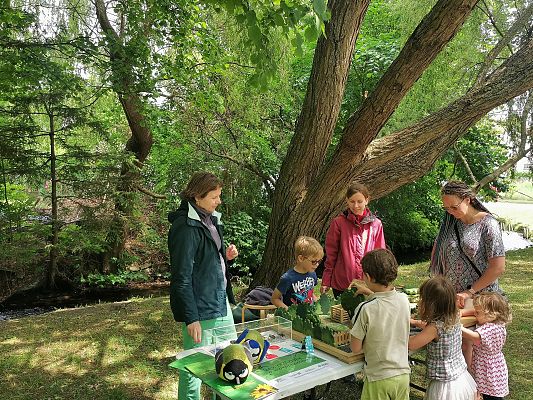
{"x": 120, "y": 278}
{"x": 249, "y": 235}
{"x": 16, "y": 205}
{"x": 411, "y": 215}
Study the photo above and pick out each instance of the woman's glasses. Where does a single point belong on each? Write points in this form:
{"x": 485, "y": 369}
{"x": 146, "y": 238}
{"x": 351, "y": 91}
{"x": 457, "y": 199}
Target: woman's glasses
{"x": 455, "y": 207}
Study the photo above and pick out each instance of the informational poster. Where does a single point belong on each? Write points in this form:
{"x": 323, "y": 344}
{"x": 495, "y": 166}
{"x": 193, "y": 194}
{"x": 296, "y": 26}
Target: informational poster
{"x": 286, "y": 365}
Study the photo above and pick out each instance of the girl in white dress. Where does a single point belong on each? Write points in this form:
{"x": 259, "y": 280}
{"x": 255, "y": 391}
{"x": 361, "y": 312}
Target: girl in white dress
{"x": 441, "y": 334}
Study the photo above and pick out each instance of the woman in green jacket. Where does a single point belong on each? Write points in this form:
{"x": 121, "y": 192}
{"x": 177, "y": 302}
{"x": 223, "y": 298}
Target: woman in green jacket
{"x": 200, "y": 289}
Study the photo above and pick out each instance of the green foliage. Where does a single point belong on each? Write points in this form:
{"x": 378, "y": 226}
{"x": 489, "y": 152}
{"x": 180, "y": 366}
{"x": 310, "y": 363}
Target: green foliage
{"x": 249, "y": 235}
{"x": 327, "y": 335}
{"x": 16, "y": 205}
{"x": 298, "y": 324}
{"x": 324, "y": 303}
{"x": 317, "y": 332}
{"x": 120, "y": 278}
{"x": 483, "y": 147}
{"x": 264, "y": 23}
{"x": 307, "y": 312}
{"x": 308, "y": 327}
{"x": 350, "y": 300}
{"x": 77, "y": 240}
{"x": 411, "y": 215}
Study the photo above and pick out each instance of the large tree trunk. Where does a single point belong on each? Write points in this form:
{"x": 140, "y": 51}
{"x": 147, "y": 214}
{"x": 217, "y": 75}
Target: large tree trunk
{"x": 309, "y": 195}
{"x": 140, "y": 142}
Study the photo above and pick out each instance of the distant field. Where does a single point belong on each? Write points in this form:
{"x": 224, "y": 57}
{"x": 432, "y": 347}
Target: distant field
{"x": 513, "y": 211}
{"x": 521, "y": 190}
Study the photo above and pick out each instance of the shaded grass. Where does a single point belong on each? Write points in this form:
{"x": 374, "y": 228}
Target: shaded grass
{"x": 122, "y": 350}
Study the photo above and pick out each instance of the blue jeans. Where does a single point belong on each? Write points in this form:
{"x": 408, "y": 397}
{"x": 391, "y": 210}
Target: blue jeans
{"x": 189, "y": 385}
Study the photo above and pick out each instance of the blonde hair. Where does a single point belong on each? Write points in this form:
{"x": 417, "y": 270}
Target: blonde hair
{"x": 494, "y": 306}
{"x": 308, "y": 247}
{"x": 437, "y": 302}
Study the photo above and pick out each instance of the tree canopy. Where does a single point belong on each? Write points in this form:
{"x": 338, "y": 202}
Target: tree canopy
{"x": 288, "y": 101}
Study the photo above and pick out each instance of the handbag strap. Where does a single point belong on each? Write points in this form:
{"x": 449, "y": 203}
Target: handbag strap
{"x": 460, "y": 245}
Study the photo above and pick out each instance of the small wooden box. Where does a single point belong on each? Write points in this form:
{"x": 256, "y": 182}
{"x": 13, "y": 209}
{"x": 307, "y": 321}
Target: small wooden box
{"x": 339, "y": 314}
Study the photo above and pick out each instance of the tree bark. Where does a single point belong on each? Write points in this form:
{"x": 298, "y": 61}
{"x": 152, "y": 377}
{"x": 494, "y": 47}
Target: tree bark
{"x": 52, "y": 271}
{"x": 309, "y": 194}
{"x": 140, "y": 142}
{"x": 314, "y": 128}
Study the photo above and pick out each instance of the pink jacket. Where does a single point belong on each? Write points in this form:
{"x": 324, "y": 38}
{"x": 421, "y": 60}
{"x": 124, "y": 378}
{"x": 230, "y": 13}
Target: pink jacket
{"x": 347, "y": 241}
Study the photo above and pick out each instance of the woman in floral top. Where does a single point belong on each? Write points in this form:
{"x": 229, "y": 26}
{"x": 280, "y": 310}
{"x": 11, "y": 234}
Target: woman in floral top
{"x": 469, "y": 247}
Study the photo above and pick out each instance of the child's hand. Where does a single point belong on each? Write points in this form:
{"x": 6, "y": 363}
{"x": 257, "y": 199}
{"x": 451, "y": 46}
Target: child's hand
{"x": 418, "y": 323}
{"x": 323, "y": 289}
{"x": 361, "y": 287}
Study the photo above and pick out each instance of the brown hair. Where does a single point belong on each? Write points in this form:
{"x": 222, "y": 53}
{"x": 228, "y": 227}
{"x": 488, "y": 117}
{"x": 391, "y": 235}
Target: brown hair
{"x": 356, "y": 187}
{"x": 463, "y": 191}
{"x": 380, "y": 265}
{"x": 494, "y": 306}
{"x": 308, "y": 247}
{"x": 437, "y": 301}
{"x": 200, "y": 184}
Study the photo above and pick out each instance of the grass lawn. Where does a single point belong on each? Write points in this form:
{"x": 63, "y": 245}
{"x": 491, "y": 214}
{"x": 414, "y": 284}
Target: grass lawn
{"x": 521, "y": 190}
{"x": 121, "y": 350}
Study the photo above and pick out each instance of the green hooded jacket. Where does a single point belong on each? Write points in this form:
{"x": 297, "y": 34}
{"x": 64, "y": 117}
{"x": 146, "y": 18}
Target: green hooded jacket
{"x": 197, "y": 291}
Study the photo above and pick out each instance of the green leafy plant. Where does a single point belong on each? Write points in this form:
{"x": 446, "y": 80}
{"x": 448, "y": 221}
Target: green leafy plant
{"x": 350, "y": 300}
{"x": 120, "y": 278}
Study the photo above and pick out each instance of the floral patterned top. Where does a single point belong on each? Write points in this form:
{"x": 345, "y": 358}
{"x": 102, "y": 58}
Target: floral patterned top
{"x": 479, "y": 242}
{"x": 488, "y": 363}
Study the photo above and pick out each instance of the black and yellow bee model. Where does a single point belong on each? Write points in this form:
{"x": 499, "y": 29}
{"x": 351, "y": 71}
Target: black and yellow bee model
{"x": 234, "y": 363}
{"x": 257, "y": 344}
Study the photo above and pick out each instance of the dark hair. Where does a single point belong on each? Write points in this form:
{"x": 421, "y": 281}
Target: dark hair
{"x": 494, "y": 306}
{"x": 380, "y": 265}
{"x": 463, "y": 191}
{"x": 356, "y": 187}
{"x": 200, "y": 184}
{"x": 437, "y": 301}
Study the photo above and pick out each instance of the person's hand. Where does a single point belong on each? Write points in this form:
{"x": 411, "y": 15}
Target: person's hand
{"x": 461, "y": 298}
{"x": 417, "y": 323}
{"x": 231, "y": 252}
{"x": 323, "y": 289}
{"x": 194, "y": 329}
{"x": 361, "y": 287}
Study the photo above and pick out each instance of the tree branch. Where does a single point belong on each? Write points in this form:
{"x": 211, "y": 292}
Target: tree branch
{"x": 150, "y": 193}
{"x": 434, "y": 31}
{"x": 521, "y": 22}
{"x": 465, "y": 163}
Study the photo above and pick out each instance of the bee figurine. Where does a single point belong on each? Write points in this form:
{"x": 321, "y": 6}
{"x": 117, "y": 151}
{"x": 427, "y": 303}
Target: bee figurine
{"x": 234, "y": 363}
{"x": 258, "y": 344}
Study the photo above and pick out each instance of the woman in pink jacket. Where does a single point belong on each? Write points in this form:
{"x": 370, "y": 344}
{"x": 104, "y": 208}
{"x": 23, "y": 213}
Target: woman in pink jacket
{"x": 351, "y": 235}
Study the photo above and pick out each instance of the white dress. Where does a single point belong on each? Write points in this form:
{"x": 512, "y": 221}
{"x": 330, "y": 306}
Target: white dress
{"x": 446, "y": 367}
